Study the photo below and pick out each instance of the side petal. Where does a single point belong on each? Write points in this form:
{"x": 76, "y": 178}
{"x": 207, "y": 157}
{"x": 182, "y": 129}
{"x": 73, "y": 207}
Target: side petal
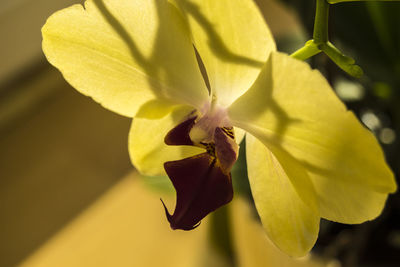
{"x": 124, "y": 53}
{"x": 347, "y": 202}
{"x": 233, "y": 41}
{"x": 147, "y": 149}
{"x": 284, "y": 196}
{"x": 253, "y": 247}
{"x": 295, "y": 109}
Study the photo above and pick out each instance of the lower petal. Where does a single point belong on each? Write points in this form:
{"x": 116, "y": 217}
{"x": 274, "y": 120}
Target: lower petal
{"x": 284, "y": 198}
{"x": 252, "y": 246}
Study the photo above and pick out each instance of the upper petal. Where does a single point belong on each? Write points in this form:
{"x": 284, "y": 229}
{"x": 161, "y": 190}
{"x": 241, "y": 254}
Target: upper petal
{"x": 124, "y": 53}
{"x": 284, "y": 196}
{"x": 233, "y": 41}
{"x": 294, "y": 108}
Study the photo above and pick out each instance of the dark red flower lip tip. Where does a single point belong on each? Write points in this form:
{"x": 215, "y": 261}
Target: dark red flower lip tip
{"x": 174, "y": 227}
{"x": 166, "y": 211}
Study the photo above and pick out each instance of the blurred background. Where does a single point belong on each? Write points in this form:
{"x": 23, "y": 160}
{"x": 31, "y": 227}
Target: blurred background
{"x": 70, "y": 197}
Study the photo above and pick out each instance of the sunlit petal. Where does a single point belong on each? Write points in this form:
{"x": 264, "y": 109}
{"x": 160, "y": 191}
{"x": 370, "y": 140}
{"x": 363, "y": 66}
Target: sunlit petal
{"x": 294, "y": 108}
{"x": 347, "y": 202}
{"x": 253, "y": 248}
{"x": 233, "y": 41}
{"x": 284, "y": 196}
{"x": 124, "y": 53}
{"x": 147, "y": 149}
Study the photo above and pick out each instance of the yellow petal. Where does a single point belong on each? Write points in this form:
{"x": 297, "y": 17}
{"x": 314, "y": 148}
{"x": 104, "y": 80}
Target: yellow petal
{"x": 347, "y": 202}
{"x": 295, "y": 109}
{"x": 253, "y": 248}
{"x": 233, "y": 41}
{"x": 147, "y": 149}
{"x": 284, "y": 196}
{"x": 124, "y": 53}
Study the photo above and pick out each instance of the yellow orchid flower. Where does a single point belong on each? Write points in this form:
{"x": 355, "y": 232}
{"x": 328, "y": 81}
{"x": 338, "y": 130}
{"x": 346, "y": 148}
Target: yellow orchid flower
{"x": 307, "y": 156}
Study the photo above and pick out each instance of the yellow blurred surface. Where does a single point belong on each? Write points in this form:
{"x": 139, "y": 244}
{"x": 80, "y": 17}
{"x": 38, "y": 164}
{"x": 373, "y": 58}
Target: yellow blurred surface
{"x": 125, "y": 227}
{"x": 57, "y": 155}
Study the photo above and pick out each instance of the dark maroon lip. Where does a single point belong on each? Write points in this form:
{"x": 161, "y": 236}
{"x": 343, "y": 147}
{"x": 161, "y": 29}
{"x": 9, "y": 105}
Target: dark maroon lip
{"x": 203, "y": 182}
{"x": 201, "y": 188}
{"x": 179, "y": 136}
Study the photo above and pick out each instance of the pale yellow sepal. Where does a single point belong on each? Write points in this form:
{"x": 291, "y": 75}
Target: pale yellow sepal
{"x": 285, "y": 198}
{"x": 254, "y": 249}
{"x": 239, "y": 135}
{"x": 124, "y": 53}
{"x": 293, "y": 108}
{"x": 147, "y": 149}
{"x": 155, "y": 109}
{"x": 233, "y": 41}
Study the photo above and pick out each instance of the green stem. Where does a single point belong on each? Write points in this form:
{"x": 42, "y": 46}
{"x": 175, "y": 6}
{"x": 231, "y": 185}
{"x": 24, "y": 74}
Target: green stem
{"x": 320, "y": 42}
{"x": 308, "y": 50}
{"x": 320, "y": 34}
{"x": 220, "y": 233}
{"x": 344, "y": 62}
{"x": 341, "y": 1}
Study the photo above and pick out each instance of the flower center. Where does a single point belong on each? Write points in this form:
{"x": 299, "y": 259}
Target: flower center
{"x": 204, "y": 128}
{"x": 211, "y": 131}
